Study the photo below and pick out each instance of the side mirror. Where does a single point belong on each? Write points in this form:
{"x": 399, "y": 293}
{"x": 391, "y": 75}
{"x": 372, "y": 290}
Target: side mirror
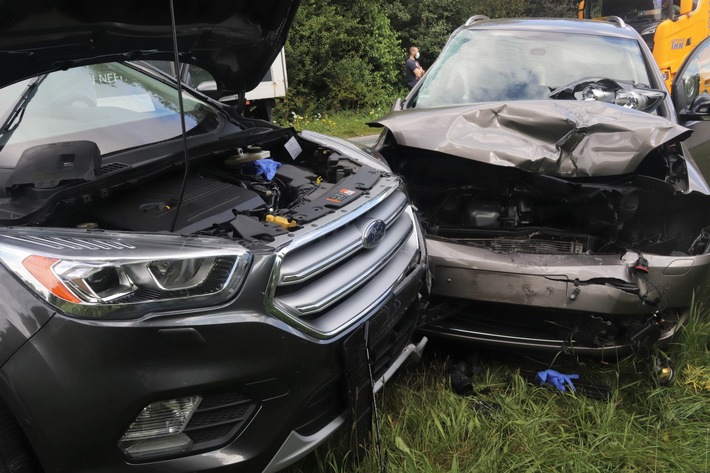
{"x": 701, "y": 105}
{"x": 691, "y": 85}
{"x": 699, "y": 109}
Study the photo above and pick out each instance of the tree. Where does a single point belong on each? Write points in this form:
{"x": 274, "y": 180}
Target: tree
{"x": 342, "y": 55}
{"x": 428, "y": 23}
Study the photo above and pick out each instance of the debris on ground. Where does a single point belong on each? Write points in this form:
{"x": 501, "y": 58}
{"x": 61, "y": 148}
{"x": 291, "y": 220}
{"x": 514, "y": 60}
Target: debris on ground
{"x": 555, "y": 378}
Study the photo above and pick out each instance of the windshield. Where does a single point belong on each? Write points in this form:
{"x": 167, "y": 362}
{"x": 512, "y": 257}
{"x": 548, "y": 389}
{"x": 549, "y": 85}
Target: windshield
{"x": 113, "y": 105}
{"x": 632, "y": 11}
{"x": 495, "y": 65}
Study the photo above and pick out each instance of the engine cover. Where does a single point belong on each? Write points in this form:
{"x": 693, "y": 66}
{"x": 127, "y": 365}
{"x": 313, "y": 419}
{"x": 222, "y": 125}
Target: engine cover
{"x": 152, "y": 208}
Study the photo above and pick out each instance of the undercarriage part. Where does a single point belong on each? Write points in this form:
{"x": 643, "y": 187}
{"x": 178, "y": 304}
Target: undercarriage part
{"x": 649, "y": 333}
{"x": 549, "y": 330}
{"x": 664, "y": 369}
{"x": 554, "y": 332}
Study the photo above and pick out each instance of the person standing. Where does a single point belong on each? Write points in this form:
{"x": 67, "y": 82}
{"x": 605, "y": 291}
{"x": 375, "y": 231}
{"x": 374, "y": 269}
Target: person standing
{"x": 414, "y": 70}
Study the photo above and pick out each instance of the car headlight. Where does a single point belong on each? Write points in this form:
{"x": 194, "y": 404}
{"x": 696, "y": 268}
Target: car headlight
{"x": 644, "y": 100}
{"x": 100, "y": 274}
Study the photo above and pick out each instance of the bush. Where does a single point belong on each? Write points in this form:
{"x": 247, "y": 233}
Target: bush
{"x": 342, "y": 56}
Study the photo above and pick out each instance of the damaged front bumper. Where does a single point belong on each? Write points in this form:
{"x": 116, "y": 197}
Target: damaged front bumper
{"x": 583, "y": 303}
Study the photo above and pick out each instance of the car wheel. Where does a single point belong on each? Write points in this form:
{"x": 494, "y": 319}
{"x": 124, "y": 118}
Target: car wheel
{"x": 15, "y": 454}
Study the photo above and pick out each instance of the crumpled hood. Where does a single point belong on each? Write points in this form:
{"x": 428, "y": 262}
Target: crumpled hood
{"x": 559, "y": 138}
{"x": 235, "y": 40}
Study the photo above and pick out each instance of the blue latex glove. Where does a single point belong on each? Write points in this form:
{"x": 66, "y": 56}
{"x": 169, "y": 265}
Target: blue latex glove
{"x": 556, "y": 379}
{"x": 265, "y": 168}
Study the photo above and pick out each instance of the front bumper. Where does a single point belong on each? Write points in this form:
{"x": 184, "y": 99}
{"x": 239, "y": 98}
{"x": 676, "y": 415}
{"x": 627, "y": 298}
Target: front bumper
{"x": 297, "y": 446}
{"x": 77, "y": 385}
{"x": 589, "y": 303}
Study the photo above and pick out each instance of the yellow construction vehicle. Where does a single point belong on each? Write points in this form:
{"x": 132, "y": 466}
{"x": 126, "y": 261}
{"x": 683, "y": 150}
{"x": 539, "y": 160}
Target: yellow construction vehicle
{"x": 671, "y": 28}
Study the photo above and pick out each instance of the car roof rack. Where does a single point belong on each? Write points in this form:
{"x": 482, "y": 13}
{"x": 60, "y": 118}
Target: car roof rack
{"x": 614, "y": 19}
{"x": 475, "y": 18}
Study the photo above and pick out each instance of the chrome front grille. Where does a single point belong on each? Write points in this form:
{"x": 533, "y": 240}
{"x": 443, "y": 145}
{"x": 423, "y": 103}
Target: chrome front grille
{"x": 331, "y": 282}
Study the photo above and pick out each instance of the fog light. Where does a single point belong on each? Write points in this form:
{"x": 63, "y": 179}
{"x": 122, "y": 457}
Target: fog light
{"x": 158, "y": 429}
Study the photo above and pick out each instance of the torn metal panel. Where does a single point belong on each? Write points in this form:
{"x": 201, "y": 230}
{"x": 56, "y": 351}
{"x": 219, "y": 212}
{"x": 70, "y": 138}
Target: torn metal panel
{"x": 559, "y": 138}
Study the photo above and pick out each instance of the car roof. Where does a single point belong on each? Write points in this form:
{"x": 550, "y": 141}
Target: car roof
{"x": 559, "y": 25}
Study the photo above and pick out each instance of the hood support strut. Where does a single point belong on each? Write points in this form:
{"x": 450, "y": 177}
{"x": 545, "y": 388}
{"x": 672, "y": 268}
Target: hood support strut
{"x": 182, "y": 119}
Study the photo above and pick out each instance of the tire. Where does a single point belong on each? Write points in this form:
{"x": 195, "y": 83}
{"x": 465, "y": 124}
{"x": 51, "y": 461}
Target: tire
{"x": 15, "y": 453}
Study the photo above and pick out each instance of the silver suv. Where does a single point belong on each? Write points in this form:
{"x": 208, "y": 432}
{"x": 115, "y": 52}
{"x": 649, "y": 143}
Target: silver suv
{"x": 553, "y": 176}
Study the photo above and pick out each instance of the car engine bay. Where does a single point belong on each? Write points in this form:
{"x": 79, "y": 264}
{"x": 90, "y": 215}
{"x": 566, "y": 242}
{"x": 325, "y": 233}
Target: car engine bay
{"x": 252, "y": 192}
{"x": 509, "y": 210}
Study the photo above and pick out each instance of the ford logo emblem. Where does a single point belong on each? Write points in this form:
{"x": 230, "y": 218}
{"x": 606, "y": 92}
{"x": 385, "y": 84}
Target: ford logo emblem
{"x": 373, "y": 234}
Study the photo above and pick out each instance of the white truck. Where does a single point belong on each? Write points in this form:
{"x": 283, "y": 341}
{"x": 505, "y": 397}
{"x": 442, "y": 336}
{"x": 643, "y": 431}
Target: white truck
{"x": 260, "y": 101}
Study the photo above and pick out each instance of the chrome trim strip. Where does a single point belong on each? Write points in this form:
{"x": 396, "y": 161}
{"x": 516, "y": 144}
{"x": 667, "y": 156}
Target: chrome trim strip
{"x": 297, "y": 446}
{"x": 58, "y": 243}
{"x": 409, "y": 350}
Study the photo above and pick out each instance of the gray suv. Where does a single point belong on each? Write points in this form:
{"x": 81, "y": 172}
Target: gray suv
{"x": 184, "y": 289}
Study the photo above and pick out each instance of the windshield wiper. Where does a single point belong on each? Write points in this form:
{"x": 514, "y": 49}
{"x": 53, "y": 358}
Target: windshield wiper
{"x": 12, "y": 119}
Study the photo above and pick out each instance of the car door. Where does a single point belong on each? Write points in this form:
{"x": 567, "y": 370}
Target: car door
{"x": 691, "y": 97}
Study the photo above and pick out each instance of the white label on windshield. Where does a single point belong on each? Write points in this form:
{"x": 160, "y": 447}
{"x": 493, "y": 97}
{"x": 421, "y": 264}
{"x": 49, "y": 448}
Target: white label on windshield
{"x": 293, "y": 148}
{"x": 136, "y": 103}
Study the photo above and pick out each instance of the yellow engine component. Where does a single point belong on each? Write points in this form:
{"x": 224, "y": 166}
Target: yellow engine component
{"x": 283, "y": 221}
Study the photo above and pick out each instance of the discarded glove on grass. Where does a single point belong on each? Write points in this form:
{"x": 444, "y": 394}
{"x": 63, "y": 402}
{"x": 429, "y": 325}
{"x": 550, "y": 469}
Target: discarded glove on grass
{"x": 556, "y": 379}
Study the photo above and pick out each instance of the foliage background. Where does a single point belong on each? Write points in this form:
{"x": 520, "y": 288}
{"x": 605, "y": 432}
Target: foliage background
{"x": 349, "y": 54}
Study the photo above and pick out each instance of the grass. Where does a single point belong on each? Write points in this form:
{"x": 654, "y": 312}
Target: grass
{"x": 512, "y": 425}
{"x": 345, "y": 124}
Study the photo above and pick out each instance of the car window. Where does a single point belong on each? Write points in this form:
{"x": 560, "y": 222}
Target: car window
{"x": 635, "y": 10}
{"x": 114, "y": 105}
{"x": 493, "y": 65}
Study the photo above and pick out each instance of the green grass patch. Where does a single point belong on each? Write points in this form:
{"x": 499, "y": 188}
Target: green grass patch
{"x": 510, "y": 424}
{"x": 345, "y": 124}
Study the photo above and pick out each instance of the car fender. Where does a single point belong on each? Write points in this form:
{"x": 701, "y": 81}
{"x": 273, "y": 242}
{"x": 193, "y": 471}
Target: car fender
{"x": 21, "y": 315}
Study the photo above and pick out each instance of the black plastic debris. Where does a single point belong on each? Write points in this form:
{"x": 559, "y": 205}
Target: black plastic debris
{"x": 460, "y": 377}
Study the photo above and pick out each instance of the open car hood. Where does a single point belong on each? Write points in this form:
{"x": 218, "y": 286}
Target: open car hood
{"x": 236, "y": 40}
{"x": 558, "y": 138}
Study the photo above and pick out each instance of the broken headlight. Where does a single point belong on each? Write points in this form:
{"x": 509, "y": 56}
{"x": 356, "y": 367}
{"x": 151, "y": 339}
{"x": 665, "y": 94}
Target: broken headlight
{"x": 625, "y": 94}
{"x": 97, "y": 274}
{"x": 637, "y": 99}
